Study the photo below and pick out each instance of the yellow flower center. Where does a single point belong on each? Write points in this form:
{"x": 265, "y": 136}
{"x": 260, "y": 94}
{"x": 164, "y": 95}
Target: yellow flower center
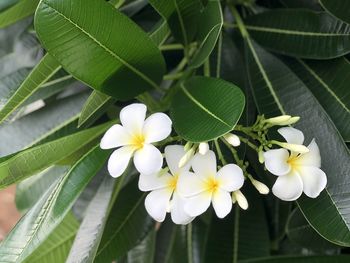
{"x": 138, "y": 141}
{"x": 173, "y": 182}
{"x": 292, "y": 161}
{"x": 212, "y": 185}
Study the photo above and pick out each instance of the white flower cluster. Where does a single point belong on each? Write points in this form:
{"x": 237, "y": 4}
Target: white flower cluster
{"x": 191, "y": 182}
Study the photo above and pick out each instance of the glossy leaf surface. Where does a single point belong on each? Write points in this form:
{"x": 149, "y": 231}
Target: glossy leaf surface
{"x": 339, "y": 8}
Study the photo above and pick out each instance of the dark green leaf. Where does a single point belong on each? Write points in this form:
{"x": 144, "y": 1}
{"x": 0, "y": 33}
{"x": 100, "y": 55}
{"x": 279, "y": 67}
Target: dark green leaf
{"x": 90, "y": 52}
{"x": 339, "y": 8}
{"x": 300, "y": 33}
{"x": 301, "y": 259}
{"x": 144, "y": 252}
{"x": 206, "y": 108}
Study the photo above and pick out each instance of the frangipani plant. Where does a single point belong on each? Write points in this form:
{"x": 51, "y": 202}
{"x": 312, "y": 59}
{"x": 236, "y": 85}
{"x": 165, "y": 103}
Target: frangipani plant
{"x": 176, "y": 131}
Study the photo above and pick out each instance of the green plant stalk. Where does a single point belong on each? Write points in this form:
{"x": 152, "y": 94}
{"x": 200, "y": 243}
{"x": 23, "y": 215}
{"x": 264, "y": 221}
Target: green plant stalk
{"x": 221, "y": 156}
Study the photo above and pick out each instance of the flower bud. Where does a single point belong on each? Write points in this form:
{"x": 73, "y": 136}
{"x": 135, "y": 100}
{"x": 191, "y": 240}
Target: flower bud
{"x": 261, "y": 187}
{"x": 278, "y": 120}
{"x": 203, "y": 148}
{"x": 240, "y": 198}
{"x": 261, "y": 156}
{"x": 294, "y": 147}
{"x": 232, "y": 139}
{"x": 187, "y": 157}
{"x": 290, "y": 121}
{"x": 188, "y": 146}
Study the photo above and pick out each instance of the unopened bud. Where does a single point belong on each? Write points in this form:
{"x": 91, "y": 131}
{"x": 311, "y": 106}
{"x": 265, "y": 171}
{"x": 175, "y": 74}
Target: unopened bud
{"x": 294, "y": 147}
{"x": 278, "y": 120}
{"x": 188, "y": 146}
{"x": 187, "y": 157}
{"x": 290, "y": 121}
{"x": 240, "y": 198}
{"x": 203, "y": 148}
{"x": 232, "y": 139}
{"x": 261, "y": 156}
{"x": 261, "y": 187}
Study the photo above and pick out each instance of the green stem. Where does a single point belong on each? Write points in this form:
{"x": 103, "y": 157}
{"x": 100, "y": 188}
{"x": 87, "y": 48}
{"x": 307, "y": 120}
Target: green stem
{"x": 173, "y": 76}
{"x": 171, "y": 47}
{"x": 221, "y": 156}
{"x": 189, "y": 243}
{"x": 206, "y": 68}
{"x": 249, "y": 143}
{"x": 234, "y": 152}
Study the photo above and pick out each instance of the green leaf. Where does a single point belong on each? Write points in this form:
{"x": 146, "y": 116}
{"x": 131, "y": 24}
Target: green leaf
{"x": 300, "y": 259}
{"x": 58, "y": 244}
{"x": 211, "y": 21}
{"x": 30, "y": 161}
{"x": 25, "y": 131}
{"x": 339, "y": 8}
{"x": 127, "y": 225}
{"x": 160, "y": 33}
{"x": 7, "y": 3}
{"x": 47, "y": 67}
{"x": 145, "y": 251}
{"x": 300, "y": 232}
{"x": 182, "y": 17}
{"x": 328, "y": 81}
{"x": 30, "y": 191}
{"x": 94, "y": 107}
{"x": 206, "y": 108}
{"x": 90, "y": 232}
{"x": 89, "y": 52}
{"x": 300, "y": 33}
{"x": 22, "y": 9}
{"x": 35, "y": 227}
{"x": 277, "y": 90}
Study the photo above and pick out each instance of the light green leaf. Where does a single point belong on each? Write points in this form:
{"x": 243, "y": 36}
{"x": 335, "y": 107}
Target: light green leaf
{"x": 211, "y": 21}
{"x": 160, "y": 33}
{"x": 28, "y": 162}
{"x": 89, "y": 52}
{"x": 35, "y": 227}
{"x": 300, "y": 33}
{"x": 339, "y": 8}
{"x": 206, "y": 108}
{"x": 90, "y": 232}
{"x": 57, "y": 246}
{"x": 94, "y": 107}
{"x": 277, "y": 90}
{"x": 7, "y": 3}
{"x": 47, "y": 67}
{"x": 328, "y": 81}
{"x": 22, "y": 9}
{"x": 127, "y": 225}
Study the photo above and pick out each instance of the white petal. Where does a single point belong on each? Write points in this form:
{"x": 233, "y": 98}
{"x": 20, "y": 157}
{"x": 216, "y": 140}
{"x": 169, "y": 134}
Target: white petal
{"x": 119, "y": 160}
{"x": 288, "y": 187}
{"x": 197, "y": 204}
{"x": 204, "y": 165}
{"x": 148, "y": 160}
{"x": 178, "y": 214}
{"x": 312, "y": 158}
{"x": 173, "y": 155}
{"x": 133, "y": 117}
{"x": 314, "y": 180}
{"x": 292, "y": 135}
{"x": 276, "y": 161}
{"x": 156, "y": 204}
{"x": 230, "y": 177}
{"x": 114, "y": 137}
{"x": 150, "y": 182}
{"x": 190, "y": 184}
{"x": 222, "y": 203}
{"x": 156, "y": 127}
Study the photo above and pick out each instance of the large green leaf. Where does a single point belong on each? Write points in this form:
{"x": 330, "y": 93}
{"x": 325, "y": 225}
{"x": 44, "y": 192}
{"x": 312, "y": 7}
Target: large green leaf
{"x": 90, "y": 52}
{"x": 300, "y": 33}
{"x": 182, "y": 17}
{"x": 206, "y": 108}
{"x": 30, "y": 161}
{"x": 47, "y": 67}
{"x": 300, "y": 232}
{"x": 58, "y": 244}
{"x": 277, "y": 90}
{"x": 211, "y": 21}
{"x": 127, "y": 225}
{"x": 90, "y": 232}
{"x": 339, "y": 8}
{"x": 328, "y": 81}
{"x": 301, "y": 259}
{"x": 145, "y": 251}
{"x": 40, "y": 124}
{"x": 22, "y": 9}
{"x": 35, "y": 227}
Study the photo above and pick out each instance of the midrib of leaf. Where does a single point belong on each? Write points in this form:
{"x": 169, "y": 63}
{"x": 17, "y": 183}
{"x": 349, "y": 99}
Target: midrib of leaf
{"x": 171, "y": 244}
{"x": 201, "y": 106}
{"x": 122, "y": 224}
{"x": 132, "y": 68}
{"x": 320, "y": 80}
{"x": 182, "y": 25}
{"x": 49, "y": 83}
{"x": 266, "y": 78}
{"x": 294, "y": 32}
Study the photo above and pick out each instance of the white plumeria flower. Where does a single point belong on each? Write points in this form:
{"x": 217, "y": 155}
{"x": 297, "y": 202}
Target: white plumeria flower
{"x": 135, "y": 137}
{"x": 164, "y": 196}
{"x": 297, "y": 172}
{"x": 209, "y": 186}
